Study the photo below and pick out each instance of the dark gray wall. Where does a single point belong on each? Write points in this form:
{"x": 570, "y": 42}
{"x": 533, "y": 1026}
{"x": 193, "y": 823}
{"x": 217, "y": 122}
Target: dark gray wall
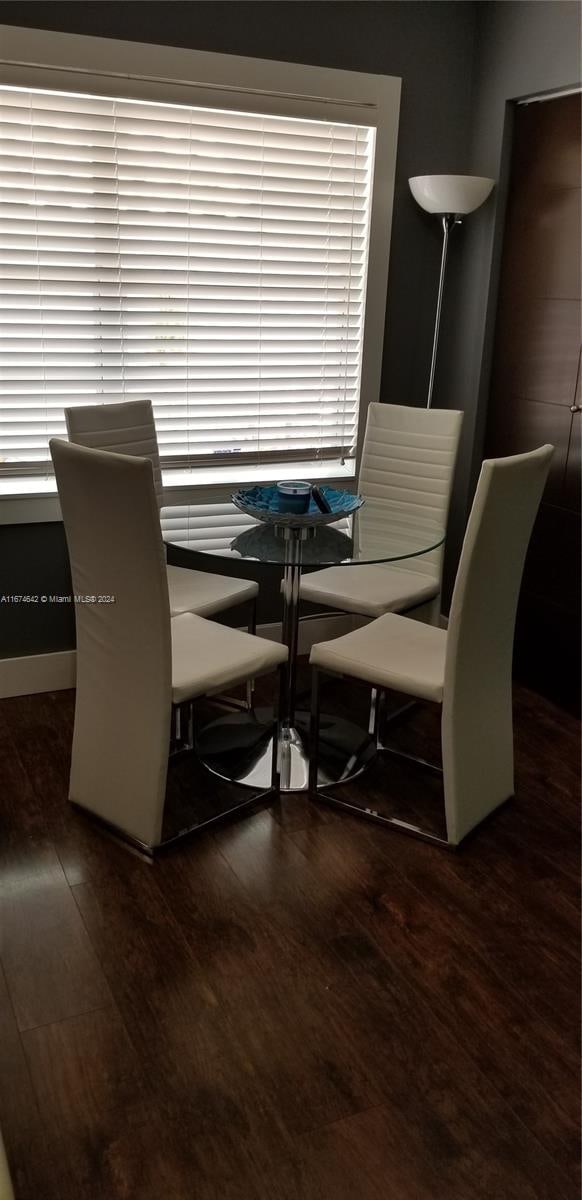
{"x": 430, "y": 46}
{"x": 33, "y": 562}
{"x": 522, "y": 49}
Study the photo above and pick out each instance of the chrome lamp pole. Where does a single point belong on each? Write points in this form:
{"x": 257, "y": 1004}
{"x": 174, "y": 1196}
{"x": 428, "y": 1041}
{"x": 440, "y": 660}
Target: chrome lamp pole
{"x": 449, "y": 197}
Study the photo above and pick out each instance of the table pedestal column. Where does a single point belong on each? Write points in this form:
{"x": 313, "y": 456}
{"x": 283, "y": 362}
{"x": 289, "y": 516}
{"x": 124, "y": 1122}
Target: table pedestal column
{"x": 238, "y": 746}
{"x": 293, "y": 753}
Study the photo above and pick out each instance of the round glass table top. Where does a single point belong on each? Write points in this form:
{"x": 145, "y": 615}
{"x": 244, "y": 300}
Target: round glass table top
{"x": 374, "y": 534}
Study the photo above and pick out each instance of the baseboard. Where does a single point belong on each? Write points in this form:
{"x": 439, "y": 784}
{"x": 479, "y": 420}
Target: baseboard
{"x": 37, "y": 673}
{"x": 54, "y": 672}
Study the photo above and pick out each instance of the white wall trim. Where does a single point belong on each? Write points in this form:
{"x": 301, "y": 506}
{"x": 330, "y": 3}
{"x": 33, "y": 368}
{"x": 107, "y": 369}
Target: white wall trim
{"x": 37, "y": 673}
{"x": 171, "y": 74}
{"x": 54, "y": 672}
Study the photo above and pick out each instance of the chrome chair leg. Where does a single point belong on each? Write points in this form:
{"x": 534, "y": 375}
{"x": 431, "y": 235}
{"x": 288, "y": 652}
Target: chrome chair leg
{"x": 376, "y": 700}
{"x": 246, "y": 705}
{"x": 277, "y": 706}
{"x": 252, "y": 628}
{"x": 377, "y": 695}
{"x": 189, "y": 730}
{"x": 357, "y": 810}
{"x": 314, "y": 734}
{"x": 182, "y": 729}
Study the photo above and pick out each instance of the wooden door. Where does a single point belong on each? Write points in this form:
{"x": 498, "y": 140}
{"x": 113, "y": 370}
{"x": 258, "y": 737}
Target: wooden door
{"x": 535, "y": 395}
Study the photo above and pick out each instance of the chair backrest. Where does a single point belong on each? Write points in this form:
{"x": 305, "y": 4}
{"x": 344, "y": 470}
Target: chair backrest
{"x": 407, "y": 469}
{"x": 477, "y": 719}
{"x": 125, "y": 428}
{"x": 484, "y": 603}
{"x": 123, "y": 702}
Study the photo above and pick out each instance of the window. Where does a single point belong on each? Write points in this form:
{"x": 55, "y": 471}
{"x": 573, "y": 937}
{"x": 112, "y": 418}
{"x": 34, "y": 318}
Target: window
{"x": 212, "y": 261}
{"x": 206, "y": 230}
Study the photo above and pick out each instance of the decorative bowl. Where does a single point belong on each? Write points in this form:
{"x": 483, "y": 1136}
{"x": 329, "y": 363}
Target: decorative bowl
{"x": 262, "y": 503}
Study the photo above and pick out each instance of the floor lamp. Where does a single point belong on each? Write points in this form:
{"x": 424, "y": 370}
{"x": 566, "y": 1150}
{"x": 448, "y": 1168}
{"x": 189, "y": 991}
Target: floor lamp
{"x": 449, "y": 197}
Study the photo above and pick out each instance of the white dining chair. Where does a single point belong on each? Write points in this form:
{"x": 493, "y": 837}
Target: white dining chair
{"x": 129, "y": 428}
{"x": 134, "y": 661}
{"x": 407, "y": 468}
{"x": 466, "y": 668}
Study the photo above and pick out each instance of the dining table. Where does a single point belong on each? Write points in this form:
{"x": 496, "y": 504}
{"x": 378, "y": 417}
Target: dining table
{"x": 238, "y": 744}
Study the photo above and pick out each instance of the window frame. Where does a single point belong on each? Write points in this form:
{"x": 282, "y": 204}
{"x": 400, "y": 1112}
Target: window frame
{"x": 106, "y": 66}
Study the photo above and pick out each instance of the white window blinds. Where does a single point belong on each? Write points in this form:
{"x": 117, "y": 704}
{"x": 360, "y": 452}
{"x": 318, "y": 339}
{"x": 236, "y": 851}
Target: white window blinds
{"x": 205, "y": 527}
{"x": 212, "y": 261}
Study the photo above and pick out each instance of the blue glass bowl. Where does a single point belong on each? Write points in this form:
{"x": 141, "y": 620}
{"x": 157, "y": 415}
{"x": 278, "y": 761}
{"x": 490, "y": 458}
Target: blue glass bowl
{"x": 262, "y": 502}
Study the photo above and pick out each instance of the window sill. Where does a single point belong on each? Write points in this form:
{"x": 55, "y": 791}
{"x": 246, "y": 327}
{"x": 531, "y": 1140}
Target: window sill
{"x": 31, "y": 500}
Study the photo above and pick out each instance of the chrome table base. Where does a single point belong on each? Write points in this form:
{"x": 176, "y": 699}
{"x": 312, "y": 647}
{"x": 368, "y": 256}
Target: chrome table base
{"x": 238, "y": 747}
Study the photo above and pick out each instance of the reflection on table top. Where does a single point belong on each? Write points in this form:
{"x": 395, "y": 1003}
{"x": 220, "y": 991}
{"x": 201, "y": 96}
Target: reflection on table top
{"x": 377, "y": 533}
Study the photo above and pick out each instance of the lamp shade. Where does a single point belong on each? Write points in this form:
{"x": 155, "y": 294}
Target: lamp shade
{"x": 450, "y": 193}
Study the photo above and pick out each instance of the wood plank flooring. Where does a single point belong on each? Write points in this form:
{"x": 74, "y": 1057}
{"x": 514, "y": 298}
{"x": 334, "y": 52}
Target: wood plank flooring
{"x": 298, "y": 1005}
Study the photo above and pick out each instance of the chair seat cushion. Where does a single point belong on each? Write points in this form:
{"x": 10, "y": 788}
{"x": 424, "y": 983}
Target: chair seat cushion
{"x": 369, "y": 589}
{"x": 393, "y": 652}
{"x": 202, "y": 593}
{"x": 207, "y": 657}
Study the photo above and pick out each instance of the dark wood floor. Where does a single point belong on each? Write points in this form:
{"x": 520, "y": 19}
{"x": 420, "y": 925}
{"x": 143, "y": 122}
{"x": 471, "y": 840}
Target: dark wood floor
{"x": 300, "y": 1006}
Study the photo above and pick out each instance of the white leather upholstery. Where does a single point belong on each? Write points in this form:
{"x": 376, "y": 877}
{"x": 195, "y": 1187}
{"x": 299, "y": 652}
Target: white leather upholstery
{"x": 6, "y": 1191}
{"x": 393, "y": 651}
{"x": 469, "y": 667}
{"x": 124, "y": 648}
{"x": 408, "y": 458}
{"x": 203, "y": 593}
{"x": 407, "y": 468}
{"x": 477, "y": 726}
{"x": 371, "y": 590}
{"x": 125, "y": 428}
{"x": 129, "y": 428}
{"x": 206, "y": 657}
